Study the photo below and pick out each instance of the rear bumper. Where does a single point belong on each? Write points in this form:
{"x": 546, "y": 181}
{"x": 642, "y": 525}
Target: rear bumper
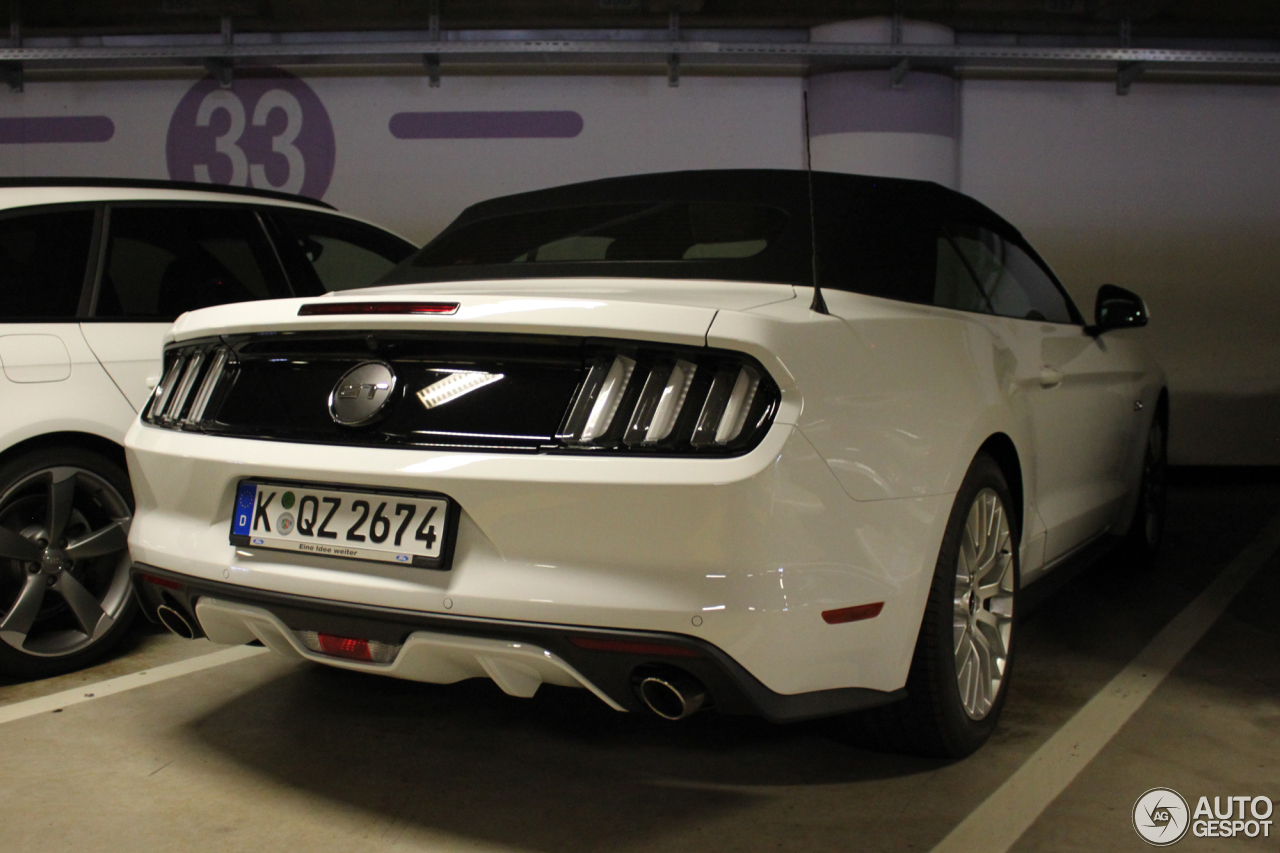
{"x": 518, "y": 656}
{"x": 744, "y": 553}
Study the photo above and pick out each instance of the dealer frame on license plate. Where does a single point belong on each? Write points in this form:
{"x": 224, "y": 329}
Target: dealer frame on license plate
{"x": 342, "y": 521}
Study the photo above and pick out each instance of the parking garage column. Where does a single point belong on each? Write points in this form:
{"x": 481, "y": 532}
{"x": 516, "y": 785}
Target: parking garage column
{"x": 901, "y": 123}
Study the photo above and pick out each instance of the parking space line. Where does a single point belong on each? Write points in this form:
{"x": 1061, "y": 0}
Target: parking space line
{"x": 1001, "y": 819}
{"x": 112, "y": 686}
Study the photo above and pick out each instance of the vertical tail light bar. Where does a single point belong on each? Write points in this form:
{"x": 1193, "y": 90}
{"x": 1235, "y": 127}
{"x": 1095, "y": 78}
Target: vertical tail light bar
{"x": 726, "y": 408}
{"x": 597, "y": 400}
{"x": 183, "y": 391}
{"x": 660, "y": 402}
{"x": 165, "y": 389}
{"x": 211, "y": 377}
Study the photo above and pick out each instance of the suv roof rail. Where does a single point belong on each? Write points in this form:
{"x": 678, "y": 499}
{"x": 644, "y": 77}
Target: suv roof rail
{"x": 154, "y": 184}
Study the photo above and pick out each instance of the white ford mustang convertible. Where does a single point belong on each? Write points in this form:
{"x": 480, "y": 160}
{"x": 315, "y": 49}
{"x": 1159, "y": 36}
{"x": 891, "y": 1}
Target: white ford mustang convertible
{"x": 766, "y": 442}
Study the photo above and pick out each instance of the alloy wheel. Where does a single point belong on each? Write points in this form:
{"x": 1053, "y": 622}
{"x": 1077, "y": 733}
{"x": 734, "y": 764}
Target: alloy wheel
{"x": 64, "y": 560}
{"x": 983, "y": 612}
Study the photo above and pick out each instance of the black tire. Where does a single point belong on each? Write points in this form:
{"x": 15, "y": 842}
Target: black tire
{"x": 932, "y": 720}
{"x": 48, "y": 626}
{"x": 1146, "y": 531}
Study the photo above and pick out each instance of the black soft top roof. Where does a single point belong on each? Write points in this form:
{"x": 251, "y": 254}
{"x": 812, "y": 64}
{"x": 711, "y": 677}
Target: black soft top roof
{"x": 785, "y": 188}
{"x": 847, "y": 216}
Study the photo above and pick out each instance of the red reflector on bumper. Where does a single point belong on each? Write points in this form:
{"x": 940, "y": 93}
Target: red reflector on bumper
{"x": 628, "y": 647}
{"x": 345, "y": 647}
{"x": 853, "y": 614}
{"x": 164, "y": 582}
{"x": 313, "y": 309}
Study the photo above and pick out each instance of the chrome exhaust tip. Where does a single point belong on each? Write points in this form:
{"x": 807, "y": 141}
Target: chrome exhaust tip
{"x": 175, "y": 622}
{"x": 672, "y": 694}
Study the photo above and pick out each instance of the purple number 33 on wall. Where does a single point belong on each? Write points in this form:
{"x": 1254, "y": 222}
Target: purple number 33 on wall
{"x": 269, "y": 131}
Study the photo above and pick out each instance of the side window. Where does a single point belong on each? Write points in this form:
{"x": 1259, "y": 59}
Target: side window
{"x": 1013, "y": 284}
{"x": 1042, "y": 293}
{"x": 162, "y": 261}
{"x": 954, "y": 284}
{"x": 337, "y": 253}
{"x": 43, "y": 257}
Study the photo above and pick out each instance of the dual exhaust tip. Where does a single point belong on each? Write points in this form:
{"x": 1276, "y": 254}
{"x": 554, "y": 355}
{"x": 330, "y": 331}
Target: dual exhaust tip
{"x": 671, "y": 693}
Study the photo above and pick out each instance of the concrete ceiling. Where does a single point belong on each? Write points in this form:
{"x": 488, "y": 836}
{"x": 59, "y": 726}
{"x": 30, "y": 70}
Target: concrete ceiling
{"x": 1073, "y": 19}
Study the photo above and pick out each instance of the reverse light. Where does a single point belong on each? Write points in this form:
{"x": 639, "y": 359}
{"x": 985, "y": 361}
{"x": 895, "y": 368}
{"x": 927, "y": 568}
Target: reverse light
{"x": 454, "y": 385}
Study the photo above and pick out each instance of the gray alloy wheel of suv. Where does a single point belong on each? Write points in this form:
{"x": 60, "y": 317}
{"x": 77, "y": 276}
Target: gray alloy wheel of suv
{"x": 64, "y": 561}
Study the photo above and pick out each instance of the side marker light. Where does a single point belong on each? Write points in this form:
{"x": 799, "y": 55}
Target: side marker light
{"x": 852, "y": 614}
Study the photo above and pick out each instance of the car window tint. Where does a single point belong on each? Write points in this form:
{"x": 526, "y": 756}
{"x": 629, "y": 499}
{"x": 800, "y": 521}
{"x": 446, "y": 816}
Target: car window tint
{"x": 162, "y": 261}
{"x": 1013, "y": 282}
{"x": 954, "y": 285}
{"x": 621, "y": 233}
{"x": 42, "y": 263}
{"x": 1043, "y": 295}
{"x": 338, "y": 253}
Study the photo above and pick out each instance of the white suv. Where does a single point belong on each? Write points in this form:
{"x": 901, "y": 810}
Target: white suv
{"x": 92, "y": 274}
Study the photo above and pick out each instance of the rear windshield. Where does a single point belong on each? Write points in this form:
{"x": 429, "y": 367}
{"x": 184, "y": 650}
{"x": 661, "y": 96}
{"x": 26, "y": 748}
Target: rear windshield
{"x": 691, "y": 232}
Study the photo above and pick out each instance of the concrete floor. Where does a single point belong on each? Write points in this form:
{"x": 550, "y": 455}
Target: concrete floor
{"x": 264, "y": 754}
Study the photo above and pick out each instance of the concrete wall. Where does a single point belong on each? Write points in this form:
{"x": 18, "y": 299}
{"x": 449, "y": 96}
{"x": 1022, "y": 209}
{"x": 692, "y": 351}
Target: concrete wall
{"x": 1171, "y": 191}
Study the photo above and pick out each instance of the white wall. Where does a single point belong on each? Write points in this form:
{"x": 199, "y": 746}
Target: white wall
{"x": 1172, "y": 191}
{"x": 416, "y": 187}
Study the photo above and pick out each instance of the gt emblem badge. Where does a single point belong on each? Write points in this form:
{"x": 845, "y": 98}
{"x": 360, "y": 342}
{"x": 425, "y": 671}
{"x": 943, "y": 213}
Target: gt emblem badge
{"x": 362, "y": 393}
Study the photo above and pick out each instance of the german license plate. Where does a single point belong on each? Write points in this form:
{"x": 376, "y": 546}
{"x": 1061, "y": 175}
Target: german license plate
{"x": 386, "y": 527}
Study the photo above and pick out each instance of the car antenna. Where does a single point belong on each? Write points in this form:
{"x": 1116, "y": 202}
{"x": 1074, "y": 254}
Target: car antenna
{"x": 819, "y": 304}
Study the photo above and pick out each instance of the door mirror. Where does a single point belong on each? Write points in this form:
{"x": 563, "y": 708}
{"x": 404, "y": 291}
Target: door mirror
{"x": 1117, "y": 308}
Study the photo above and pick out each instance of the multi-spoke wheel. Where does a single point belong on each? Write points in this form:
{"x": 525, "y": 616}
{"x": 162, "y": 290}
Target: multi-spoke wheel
{"x": 960, "y": 671}
{"x": 983, "y": 610}
{"x": 65, "y": 597}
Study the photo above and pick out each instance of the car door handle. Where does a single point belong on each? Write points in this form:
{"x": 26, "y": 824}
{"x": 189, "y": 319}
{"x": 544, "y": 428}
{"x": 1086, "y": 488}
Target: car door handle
{"x": 1050, "y": 377}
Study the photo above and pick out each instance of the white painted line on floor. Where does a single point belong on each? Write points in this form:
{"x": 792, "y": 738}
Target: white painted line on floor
{"x": 1003, "y": 817}
{"x": 89, "y": 692}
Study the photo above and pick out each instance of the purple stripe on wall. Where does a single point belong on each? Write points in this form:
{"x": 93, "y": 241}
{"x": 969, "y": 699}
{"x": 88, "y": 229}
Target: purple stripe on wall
{"x": 866, "y": 102}
{"x": 522, "y": 124}
{"x": 19, "y": 131}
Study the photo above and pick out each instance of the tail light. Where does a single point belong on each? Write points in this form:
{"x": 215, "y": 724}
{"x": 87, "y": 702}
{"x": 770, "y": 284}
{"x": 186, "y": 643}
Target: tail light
{"x": 192, "y": 376}
{"x": 669, "y": 402}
